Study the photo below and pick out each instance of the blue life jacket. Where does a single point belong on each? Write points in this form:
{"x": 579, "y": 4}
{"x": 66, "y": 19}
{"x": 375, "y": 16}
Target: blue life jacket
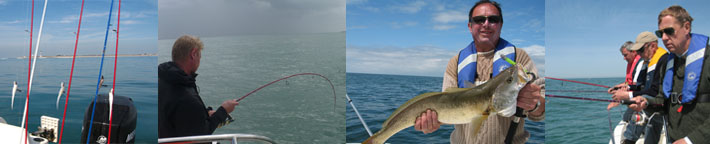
{"x": 693, "y": 69}
{"x": 468, "y": 57}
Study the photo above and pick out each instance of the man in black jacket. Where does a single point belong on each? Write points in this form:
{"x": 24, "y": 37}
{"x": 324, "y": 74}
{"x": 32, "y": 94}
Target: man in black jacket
{"x": 181, "y": 111}
{"x": 685, "y": 90}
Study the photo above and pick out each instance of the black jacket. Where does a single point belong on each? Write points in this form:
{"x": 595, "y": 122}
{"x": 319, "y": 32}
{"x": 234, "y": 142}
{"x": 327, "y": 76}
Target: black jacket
{"x": 694, "y": 119}
{"x": 181, "y": 111}
{"x": 653, "y": 79}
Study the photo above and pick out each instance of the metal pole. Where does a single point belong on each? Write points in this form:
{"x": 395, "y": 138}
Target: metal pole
{"x": 350, "y": 101}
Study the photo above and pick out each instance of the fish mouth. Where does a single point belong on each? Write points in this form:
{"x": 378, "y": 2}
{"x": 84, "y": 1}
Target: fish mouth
{"x": 505, "y": 97}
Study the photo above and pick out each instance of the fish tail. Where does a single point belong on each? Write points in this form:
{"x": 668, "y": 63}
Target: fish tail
{"x": 369, "y": 140}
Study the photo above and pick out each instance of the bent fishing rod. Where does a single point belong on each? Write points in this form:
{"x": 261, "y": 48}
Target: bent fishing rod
{"x": 283, "y": 78}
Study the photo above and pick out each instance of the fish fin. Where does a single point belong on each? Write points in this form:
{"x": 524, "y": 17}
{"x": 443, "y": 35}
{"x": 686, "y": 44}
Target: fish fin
{"x": 478, "y": 122}
{"x": 455, "y": 89}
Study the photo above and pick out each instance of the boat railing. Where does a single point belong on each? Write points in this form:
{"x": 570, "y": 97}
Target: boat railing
{"x": 234, "y": 138}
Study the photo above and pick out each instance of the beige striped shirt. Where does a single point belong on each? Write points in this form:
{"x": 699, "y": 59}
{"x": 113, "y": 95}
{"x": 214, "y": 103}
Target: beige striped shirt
{"x": 495, "y": 128}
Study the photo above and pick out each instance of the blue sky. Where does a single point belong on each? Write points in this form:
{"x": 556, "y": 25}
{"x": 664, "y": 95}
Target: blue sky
{"x": 584, "y": 37}
{"x": 138, "y": 33}
{"x": 419, "y": 37}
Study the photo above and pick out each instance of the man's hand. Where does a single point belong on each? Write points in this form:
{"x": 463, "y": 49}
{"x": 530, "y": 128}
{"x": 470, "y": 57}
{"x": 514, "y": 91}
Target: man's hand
{"x": 612, "y": 105}
{"x": 229, "y": 105}
{"x": 680, "y": 141}
{"x": 621, "y": 86}
{"x": 210, "y": 112}
{"x": 620, "y": 95}
{"x": 641, "y": 103}
{"x": 428, "y": 122}
{"x": 529, "y": 96}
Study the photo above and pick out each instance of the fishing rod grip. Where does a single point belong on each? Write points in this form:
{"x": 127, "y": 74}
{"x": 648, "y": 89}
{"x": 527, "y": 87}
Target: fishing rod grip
{"x": 519, "y": 112}
{"x": 627, "y": 102}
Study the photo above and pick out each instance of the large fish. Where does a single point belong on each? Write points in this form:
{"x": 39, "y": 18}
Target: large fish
{"x": 460, "y": 105}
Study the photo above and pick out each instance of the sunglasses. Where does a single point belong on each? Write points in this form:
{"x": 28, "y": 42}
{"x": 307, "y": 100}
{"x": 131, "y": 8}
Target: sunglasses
{"x": 640, "y": 50}
{"x": 669, "y": 31}
{"x": 482, "y": 19}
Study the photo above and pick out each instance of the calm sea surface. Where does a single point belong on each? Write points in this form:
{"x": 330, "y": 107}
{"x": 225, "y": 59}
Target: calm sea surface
{"x": 574, "y": 121}
{"x": 376, "y": 96}
{"x": 136, "y": 77}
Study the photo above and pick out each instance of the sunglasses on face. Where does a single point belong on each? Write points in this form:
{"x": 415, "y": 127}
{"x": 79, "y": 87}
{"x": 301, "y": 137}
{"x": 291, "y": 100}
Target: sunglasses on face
{"x": 669, "y": 31}
{"x": 642, "y": 48}
{"x": 482, "y": 19}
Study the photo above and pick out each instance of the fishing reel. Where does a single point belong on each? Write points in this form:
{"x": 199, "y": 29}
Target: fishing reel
{"x": 226, "y": 121}
{"x": 640, "y": 118}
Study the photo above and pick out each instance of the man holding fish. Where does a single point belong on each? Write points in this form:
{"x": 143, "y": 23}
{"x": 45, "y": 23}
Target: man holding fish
{"x": 477, "y": 64}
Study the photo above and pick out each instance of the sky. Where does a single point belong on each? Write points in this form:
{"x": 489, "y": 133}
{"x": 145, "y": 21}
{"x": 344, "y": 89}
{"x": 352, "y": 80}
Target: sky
{"x": 584, "y": 37}
{"x": 245, "y": 17}
{"x": 418, "y": 37}
{"x": 138, "y": 31}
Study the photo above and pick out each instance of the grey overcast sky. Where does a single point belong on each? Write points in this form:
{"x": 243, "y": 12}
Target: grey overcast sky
{"x": 228, "y": 17}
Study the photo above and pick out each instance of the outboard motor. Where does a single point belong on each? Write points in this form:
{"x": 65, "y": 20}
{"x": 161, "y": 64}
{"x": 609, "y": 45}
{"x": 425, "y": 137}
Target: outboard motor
{"x": 123, "y": 125}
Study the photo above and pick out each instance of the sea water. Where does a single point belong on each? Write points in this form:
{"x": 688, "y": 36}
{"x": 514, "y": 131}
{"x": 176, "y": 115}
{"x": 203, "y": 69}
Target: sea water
{"x": 376, "y": 96}
{"x": 574, "y": 121}
{"x": 136, "y": 78}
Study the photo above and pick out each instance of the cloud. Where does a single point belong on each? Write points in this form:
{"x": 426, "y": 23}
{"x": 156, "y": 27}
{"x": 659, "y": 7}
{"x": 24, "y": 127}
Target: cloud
{"x": 130, "y": 22}
{"x": 371, "y": 9}
{"x": 12, "y": 22}
{"x": 220, "y": 18}
{"x": 537, "y": 54}
{"x": 3, "y": 2}
{"x": 416, "y": 60}
{"x": 357, "y": 27}
{"x": 398, "y": 25}
{"x": 535, "y": 25}
{"x": 450, "y": 16}
{"x": 410, "y": 8}
{"x": 355, "y": 1}
{"x": 443, "y": 27}
{"x": 75, "y": 18}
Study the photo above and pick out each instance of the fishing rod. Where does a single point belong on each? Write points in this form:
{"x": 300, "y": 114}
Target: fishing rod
{"x": 113, "y": 85}
{"x": 590, "y": 91}
{"x": 32, "y": 71}
{"x": 586, "y": 83}
{"x": 98, "y": 82}
{"x": 591, "y": 99}
{"x": 71, "y": 74}
{"x": 350, "y": 101}
{"x": 283, "y": 78}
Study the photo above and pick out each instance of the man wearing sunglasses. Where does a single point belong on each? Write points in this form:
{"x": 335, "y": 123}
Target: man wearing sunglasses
{"x": 653, "y": 57}
{"x": 685, "y": 89}
{"x": 474, "y": 65}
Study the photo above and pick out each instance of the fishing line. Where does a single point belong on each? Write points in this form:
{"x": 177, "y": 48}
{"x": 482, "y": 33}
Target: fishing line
{"x": 71, "y": 74}
{"x": 98, "y": 81}
{"x": 590, "y": 91}
{"x": 32, "y": 68}
{"x": 611, "y": 132}
{"x": 586, "y": 83}
{"x": 590, "y": 99}
{"x": 283, "y": 78}
{"x": 115, "y": 62}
